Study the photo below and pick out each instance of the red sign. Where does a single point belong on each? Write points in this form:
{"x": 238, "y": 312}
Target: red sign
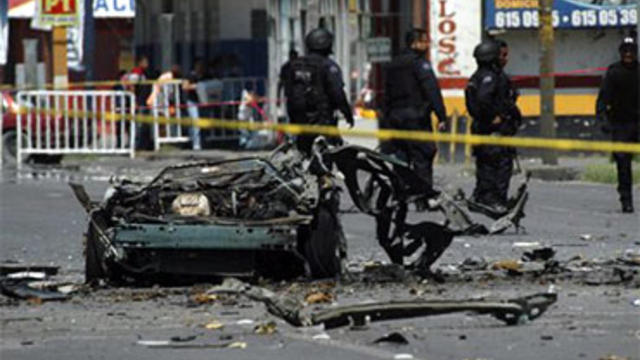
{"x": 455, "y": 31}
{"x": 59, "y": 7}
{"x": 57, "y": 13}
{"x": 447, "y": 43}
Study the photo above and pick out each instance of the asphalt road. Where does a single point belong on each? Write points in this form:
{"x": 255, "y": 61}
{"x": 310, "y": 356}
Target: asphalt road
{"x": 41, "y": 223}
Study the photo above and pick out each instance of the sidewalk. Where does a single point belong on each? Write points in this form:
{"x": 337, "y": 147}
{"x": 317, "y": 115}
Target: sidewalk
{"x": 568, "y": 168}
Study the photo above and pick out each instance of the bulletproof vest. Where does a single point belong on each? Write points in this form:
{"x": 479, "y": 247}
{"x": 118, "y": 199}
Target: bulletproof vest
{"x": 503, "y": 103}
{"x": 307, "y": 97}
{"x": 471, "y": 96}
{"x": 625, "y": 106}
{"x": 402, "y": 87}
{"x": 481, "y": 118}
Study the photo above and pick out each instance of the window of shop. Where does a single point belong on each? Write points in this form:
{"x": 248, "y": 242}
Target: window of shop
{"x": 373, "y": 25}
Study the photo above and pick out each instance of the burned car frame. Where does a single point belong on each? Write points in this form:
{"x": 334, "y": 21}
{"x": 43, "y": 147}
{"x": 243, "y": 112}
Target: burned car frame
{"x": 275, "y": 216}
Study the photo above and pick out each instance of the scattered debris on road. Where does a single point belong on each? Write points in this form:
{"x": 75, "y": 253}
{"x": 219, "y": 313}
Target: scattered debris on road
{"x": 509, "y": 265}
{"x": 170, "y": 344}
{"x": 214, "y": 325}
{"x": 393, "y": 338}
{"x": 318, "y": 298}
{"x": 540, "y": 254}
{"x": 12, "y": 268}
{"x": 511, "y": 312}
{"x": 32, "y": 283}
{"x": 614, "y": 357}
{"x": 204, "y": 298}
{"x": 267, "y": 328}
{"x": 20, "y": 289}
{"x": 403, "y": 357}
{"x": 631, "y": 257}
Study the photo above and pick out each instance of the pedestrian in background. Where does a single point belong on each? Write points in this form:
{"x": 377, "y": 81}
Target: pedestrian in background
{"x": 412, "y": 93}
{"x": 190, "y": 87}
{"x": 163, "y": 96}
{"x": 137, "y": 80}
{"x": 618, "y": 110}
{"x": 490, "y": 101}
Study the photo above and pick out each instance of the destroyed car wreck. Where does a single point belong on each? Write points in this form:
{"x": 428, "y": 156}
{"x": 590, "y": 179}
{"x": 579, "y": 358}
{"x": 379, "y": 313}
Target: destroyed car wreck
{"x": 274, "y": 216}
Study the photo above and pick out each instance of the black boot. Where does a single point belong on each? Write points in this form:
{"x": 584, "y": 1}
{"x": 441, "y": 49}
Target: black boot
{"x": 627, "y": 207}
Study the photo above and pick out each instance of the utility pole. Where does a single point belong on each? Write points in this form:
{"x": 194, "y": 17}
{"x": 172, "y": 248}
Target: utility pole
{"x": 547, "y": 81}
{"x": 60, "y": 69}
{"x": 89, "y": 38}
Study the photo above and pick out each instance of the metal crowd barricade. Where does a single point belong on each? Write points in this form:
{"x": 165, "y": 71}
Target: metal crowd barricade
{"x": 167, "y": 104}
{"x": 58, "y": 122}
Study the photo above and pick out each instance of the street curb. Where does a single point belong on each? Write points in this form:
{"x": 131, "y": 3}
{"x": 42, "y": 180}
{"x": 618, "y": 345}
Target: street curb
{"x": 555, "y": 173}
{"x": 198, "y": 155}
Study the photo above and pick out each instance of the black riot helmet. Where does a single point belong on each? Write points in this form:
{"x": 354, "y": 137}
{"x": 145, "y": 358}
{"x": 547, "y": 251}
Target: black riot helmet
{"x": 487, "y": 52}
{"x": 319, "y": 40}
{"x": 628, "y": 44}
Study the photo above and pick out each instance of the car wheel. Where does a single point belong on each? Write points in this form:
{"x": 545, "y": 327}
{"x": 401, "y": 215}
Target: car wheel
{"x": 10, "y": 147}
{"x": 10, "y": 151}
{"x": 323, "y": 244}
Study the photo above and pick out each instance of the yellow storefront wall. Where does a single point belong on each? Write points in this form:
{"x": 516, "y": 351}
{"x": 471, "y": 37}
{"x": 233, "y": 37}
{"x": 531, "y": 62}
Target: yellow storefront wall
{"x": 565, "y": 105}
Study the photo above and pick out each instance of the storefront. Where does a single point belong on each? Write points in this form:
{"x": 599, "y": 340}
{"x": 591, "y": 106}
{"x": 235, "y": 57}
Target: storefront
{"x": 367, "y": 33}
{"x": 230, "y": 36}
{"x": 113, "y": 36}
{"x": 587, "y": 34}
{"x": 370, "y": 32}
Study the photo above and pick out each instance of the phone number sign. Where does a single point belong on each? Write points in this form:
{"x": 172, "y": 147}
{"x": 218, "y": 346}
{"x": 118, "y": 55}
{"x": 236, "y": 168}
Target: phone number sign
{"x": 523, "y": 14}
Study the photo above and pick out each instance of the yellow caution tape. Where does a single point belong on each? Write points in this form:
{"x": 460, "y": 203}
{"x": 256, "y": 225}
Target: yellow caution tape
{"x": 382, "y": 134}
{"x": 387, "y": 134}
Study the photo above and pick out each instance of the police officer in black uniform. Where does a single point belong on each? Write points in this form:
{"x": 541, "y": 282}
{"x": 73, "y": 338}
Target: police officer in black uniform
{"x": 619, "y": 111}
{"x": 411, "y": 94}
{"x": 314, "y": 89}
{"x": 491, "y": 101}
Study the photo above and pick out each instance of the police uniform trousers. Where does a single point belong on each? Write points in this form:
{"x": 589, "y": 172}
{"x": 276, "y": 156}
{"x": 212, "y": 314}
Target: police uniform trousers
{"x": 494, "y": 168}
{"x": 419, "y": 155}
{"x": 627, "y": 132}
{"x": 304, "y": 143}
